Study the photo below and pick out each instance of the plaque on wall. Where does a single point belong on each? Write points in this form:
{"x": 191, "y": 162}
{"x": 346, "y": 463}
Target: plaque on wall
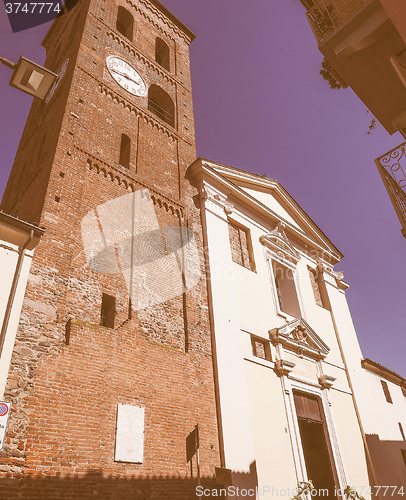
{"x": 130, "y": 434}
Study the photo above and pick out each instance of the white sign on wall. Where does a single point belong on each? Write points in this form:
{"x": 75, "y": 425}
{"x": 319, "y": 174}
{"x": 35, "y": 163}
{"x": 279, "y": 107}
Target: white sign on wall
{"x": 130, "y": 434}
{"x": 4, "y": 414}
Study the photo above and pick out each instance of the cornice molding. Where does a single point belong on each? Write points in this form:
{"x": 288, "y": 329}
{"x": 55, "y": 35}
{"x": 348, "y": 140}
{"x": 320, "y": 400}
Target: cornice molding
{"x": 283, "y": 367}
{"x": 326, "y": 381}
{"x": 170, "y": 24}
{"x": 336, "y": 277}
{"x": 129, "y": 183}
{"x": 382, "y": 371}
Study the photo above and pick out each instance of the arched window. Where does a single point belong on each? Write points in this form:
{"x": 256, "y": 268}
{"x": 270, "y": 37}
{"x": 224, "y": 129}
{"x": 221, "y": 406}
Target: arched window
{"x": 125, "y": 149}
{"x": 125, "y": 23}
{"x": 161, "y": 104}
{"x": 162, "y": 53}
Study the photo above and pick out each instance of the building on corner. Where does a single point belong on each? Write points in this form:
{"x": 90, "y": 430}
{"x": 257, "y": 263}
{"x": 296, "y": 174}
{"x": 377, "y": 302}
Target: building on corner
{"x": 18, "y": 240}
{"x": 364, "y": 45}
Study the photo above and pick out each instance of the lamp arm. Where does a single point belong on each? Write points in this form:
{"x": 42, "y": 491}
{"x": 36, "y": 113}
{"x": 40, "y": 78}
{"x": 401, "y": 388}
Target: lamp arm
{"x": 8, "y": 63}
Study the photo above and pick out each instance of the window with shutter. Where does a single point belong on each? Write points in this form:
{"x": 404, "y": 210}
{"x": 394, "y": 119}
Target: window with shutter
{"x": 240, "y": 244}
{"x": 260, "y": 348}
{"x": 315, "y": 286}
{"x": 385, "y": 388}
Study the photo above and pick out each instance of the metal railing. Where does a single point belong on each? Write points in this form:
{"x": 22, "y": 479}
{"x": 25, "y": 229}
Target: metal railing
{"x": 162, "y": 113}
{"x": 392, "y": 167}
{"x": 327, "y": 15}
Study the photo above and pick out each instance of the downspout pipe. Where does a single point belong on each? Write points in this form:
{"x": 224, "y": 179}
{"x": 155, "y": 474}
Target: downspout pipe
{"x": 13, "y": 290}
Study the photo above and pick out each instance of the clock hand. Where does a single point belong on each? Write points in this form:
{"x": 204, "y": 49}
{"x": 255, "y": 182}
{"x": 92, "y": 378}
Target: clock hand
{"x": 126, "y": 76}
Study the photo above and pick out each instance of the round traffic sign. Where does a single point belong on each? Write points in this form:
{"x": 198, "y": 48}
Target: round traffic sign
{"x": 3, "y": 409}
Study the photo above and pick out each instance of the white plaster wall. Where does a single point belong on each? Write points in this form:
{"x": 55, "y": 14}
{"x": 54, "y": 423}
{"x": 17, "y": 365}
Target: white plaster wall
{"x": 232, "y": 384}
{"x": 380, "y": 419}
{"x": 344, "y": 325}
{"x": 349, "y": 438}
{"x": 376, "y": 413}
{"x": 275, "y": 465}
{"x": 379, "y": 416}
{"x": 254, "y": 418}
{"x": 269, "y": 201}
{"x": 8, "y": 262}
{"x": 317, "y": 317}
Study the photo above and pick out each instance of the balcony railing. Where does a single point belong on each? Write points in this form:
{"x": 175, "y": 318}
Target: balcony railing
{"x": 392, "y": 167}
{"x": 164, "y": 114}
{"x": 327, "y": 15}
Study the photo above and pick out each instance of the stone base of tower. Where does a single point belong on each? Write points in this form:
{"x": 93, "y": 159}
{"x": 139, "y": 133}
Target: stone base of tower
{"x": 62, "y": 432}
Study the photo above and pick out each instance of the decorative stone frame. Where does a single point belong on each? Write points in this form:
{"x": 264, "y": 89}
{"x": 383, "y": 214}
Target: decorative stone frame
{"x": 277, "y": 248}
{"x": 329, "y": 428}
{"x": 299, "y": 338}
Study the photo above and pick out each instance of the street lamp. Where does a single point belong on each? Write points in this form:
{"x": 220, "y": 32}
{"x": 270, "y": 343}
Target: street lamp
{"x": 30, "y": 77}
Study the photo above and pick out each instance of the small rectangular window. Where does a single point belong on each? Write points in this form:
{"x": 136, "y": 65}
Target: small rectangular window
{"x": 125, "y": 150}
{"x": 260, "y": 348}
{"x": 240, "y": 244}
{"x": 108, "y": 310}
{"x": 385, "y": 388}
{"x": 286, "y": 289}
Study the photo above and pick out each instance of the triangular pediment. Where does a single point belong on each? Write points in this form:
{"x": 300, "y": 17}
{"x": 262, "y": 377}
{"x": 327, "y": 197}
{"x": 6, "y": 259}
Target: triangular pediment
{"x": 299, "y": 337}
{"x": 278, "y": 242}
{"x": 268, "y": 198}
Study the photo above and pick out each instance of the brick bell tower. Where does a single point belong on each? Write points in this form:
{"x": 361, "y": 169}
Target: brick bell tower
{"x": 112, "y": 364}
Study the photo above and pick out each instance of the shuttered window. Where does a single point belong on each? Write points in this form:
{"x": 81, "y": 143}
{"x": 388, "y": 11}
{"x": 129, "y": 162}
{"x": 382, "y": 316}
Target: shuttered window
{"x": 240, "y": 246}
{"x": 315, "y": 286}
{"x": 307, "y": 407}
{"x": 385, "y": 388}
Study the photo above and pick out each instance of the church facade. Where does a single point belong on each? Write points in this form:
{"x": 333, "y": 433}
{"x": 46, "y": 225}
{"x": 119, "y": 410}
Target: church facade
{"x": 284, "y": 343}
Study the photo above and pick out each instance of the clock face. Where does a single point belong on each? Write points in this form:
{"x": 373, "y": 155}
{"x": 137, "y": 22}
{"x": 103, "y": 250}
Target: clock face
{"x": 126, "y": 76}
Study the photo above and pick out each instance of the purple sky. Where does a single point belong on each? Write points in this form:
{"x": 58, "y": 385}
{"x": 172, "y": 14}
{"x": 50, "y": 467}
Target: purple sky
{"x": 260, "y": 105}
